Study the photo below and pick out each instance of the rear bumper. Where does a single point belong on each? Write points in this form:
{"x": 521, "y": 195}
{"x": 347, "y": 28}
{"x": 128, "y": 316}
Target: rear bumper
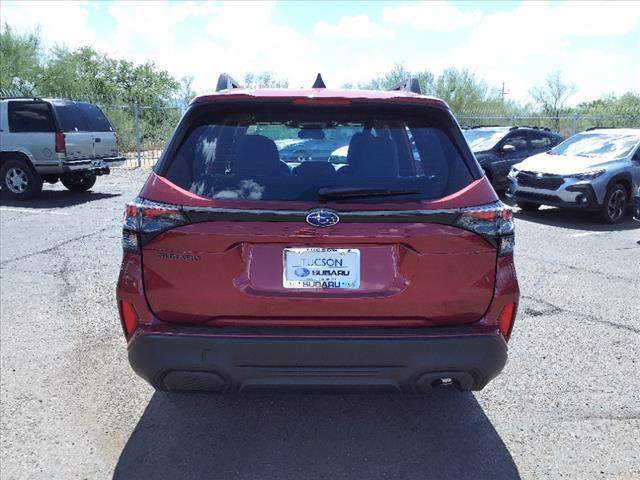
{"x": 99, "y": 166}
{"x": 183, "y": 361}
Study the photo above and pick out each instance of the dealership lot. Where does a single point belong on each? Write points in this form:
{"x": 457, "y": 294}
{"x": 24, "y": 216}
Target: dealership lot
{"x": 567, "y": 404}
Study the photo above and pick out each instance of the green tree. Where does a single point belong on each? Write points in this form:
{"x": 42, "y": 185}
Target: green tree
{"x": 552, "y": 97}
{"x": 144, "y": 83}
{"x": 19, "y": 61}
{"x": 611, "y": 111}
{"x": 388, "y": 80}
{"x": 459, "y": 88}
{"x": 186, "y": 92}
{"x": 80, "y": 74}
{"x": 427, "y": 82}
{"x": 264, "y": 80}
{"x": 465, "y": 93}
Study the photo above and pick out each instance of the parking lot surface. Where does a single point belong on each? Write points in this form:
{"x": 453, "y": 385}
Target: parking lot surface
{"x": 566, "y": 406}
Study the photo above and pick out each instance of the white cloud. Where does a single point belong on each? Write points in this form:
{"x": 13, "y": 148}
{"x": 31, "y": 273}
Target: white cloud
{"x": 358, "y": 27}
{"x": 436, "y": 15}
{"x": 147, "y": 23}
{"x": 591, "y": 19}
{"x": 546, "y": 41}
{"x": 239, "y": 37}
{"x": 354, "y": 66}
{"x": 542, "y": 29}
{"x": 253, "y": 42}
{"x": 62, "y": 24}
{"x": 597, "y": 72}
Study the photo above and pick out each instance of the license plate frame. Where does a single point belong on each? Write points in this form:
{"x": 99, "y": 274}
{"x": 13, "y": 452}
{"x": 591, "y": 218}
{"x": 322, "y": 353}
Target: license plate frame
{"x": 321, "y": 268}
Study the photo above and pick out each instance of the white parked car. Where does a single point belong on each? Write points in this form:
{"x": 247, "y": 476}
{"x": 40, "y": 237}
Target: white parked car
{"x": 597, "y": 170}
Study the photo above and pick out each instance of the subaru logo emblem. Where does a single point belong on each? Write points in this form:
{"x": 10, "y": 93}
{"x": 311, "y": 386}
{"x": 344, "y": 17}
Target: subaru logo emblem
{"x": 322, "y": 218}
{"x": 302, "y": 272}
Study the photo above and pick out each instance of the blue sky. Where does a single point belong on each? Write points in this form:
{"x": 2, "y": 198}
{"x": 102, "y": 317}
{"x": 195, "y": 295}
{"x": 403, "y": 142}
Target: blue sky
{"x": 595, "y": 45}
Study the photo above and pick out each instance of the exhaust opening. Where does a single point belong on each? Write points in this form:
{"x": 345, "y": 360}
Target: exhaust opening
{"x": 442, "y": 382}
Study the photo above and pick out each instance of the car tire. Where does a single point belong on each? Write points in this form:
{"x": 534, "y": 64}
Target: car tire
{"x": 19, "y": 180}
{"x": 615, "y": 204}
{"x": 528, "y": 206}
{"x": 79, "y": 184}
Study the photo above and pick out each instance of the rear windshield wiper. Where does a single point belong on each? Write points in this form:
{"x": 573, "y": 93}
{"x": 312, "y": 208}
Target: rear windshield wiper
{"x": 325, "y": 194}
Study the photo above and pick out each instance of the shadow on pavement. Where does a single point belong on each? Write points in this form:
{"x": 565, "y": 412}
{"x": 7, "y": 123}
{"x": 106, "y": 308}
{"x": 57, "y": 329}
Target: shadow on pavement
{"x": 57, "y": 199}
{"x": 442, "y": 435}
{"x": 574, "y": 220}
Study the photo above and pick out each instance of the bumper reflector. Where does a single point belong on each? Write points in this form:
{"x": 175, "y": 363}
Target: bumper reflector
{"x": 128, "y": 318}
{"x": 505, "y": 320}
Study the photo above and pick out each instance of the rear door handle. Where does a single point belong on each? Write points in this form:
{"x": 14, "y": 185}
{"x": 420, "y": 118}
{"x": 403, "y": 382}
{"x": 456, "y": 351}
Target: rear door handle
{"x": 97, "y": 140}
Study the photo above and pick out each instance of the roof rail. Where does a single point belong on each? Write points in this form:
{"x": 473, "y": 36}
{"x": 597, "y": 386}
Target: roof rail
{"x": 226, "y": 82}
{"x": 411, "y": 84}
{"x": 21, "y": 97}
{"x": 546, "y": 129}
{"x": 596, "y": 128}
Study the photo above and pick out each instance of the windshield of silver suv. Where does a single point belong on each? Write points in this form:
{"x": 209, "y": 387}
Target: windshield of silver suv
{"x": 481, "y": 140}
{"x": 392, "y": 155}
{"x": 609, "y": 146}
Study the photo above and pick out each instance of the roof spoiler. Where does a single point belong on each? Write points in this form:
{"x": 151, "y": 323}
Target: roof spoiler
{"x": 226, "y": 82}
{"x": 411, "y": 84}
{"x": 319, "y": 83}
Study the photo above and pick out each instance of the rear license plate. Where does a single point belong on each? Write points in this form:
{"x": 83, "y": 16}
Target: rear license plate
{"x": 321, "y": 268}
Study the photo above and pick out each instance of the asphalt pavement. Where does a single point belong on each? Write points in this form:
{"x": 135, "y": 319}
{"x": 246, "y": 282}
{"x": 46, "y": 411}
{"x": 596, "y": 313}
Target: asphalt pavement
{"x": 566, "y": 406}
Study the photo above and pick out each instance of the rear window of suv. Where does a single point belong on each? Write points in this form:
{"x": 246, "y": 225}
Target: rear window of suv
{"x": 81, "y": 117}
{"x": 363, "y": 155}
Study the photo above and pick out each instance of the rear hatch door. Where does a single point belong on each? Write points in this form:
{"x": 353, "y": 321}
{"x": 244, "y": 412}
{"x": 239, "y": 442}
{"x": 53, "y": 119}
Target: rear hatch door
{"x": 261, "y": 247}
{"x": 104, "y": 138}
{"x": 77, "y": 131}
{"x": 226, "y": 272}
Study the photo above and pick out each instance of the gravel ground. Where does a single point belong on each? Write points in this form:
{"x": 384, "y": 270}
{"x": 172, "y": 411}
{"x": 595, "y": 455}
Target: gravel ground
{"x": 566, "y": 406}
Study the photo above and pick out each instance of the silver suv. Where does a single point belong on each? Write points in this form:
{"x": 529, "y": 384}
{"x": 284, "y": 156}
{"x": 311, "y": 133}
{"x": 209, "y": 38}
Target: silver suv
{"x": 598, "y": 170}
{"x": 46, "y": 140}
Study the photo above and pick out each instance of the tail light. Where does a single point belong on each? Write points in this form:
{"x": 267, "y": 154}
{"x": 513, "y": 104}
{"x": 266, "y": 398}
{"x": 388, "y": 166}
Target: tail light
{"x": 128, "y": 317}
{"x": 505, "y": 320}
{"x": 494, "y": 222}
{"x": 145, "y": 219}
{"x": 61, "y": 146}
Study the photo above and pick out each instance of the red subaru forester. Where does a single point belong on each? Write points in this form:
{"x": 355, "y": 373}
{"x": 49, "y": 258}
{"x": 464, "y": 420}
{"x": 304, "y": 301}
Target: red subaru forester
{"x": 376, "y": 256}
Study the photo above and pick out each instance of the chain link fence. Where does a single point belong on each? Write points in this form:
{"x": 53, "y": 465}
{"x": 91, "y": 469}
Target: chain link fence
{"x": 142, "y": 130}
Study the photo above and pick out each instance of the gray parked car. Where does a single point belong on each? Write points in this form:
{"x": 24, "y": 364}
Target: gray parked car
{"x": 46, "y": 140}
{"x": 598, "y": 170}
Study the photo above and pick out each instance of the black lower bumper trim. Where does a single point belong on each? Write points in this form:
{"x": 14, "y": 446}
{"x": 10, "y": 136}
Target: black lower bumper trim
{"x": 587, "y": 200}
{"x": 220, "y": 364}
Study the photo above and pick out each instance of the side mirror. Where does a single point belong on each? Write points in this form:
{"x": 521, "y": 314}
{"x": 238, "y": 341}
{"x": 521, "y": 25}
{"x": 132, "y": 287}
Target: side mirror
{"x": 507, "y": 149}
{"x": 636, "y": 157}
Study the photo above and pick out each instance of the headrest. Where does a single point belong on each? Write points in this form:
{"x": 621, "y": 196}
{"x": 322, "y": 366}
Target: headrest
{"x": 257, "y": 155}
